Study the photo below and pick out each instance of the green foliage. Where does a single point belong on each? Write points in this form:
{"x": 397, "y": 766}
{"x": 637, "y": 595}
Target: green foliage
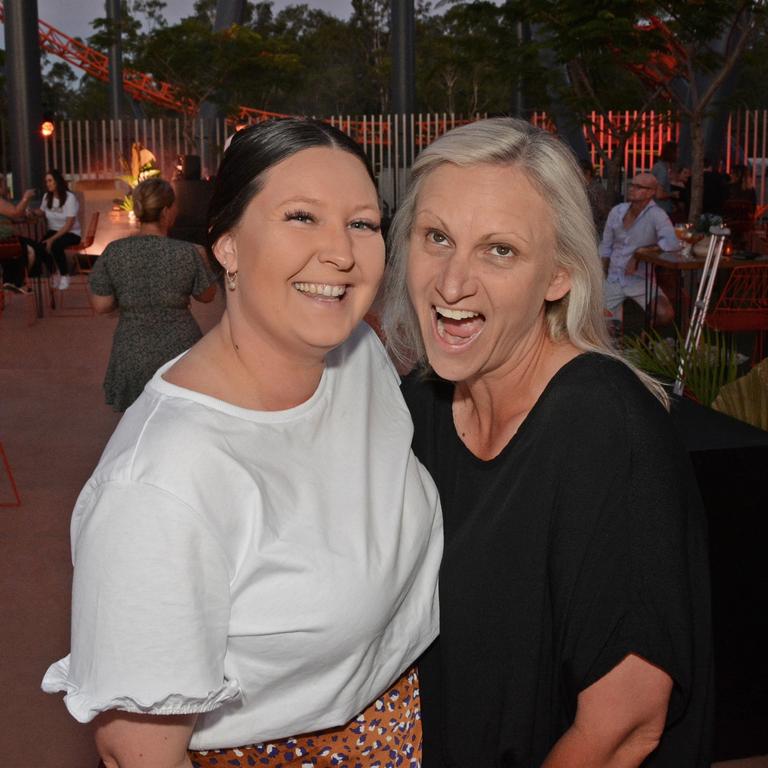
{"x": 476, "y": 55}
{"x": 707, "y": 368}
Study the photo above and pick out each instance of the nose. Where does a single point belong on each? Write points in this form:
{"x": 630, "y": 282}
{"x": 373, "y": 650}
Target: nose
{"x": 337, "y": 249}
{"x": 455, "y": 280}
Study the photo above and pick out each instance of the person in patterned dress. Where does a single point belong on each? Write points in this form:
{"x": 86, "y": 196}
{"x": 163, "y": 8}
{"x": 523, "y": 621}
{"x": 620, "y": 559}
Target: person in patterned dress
{"x": 149, "y": 279}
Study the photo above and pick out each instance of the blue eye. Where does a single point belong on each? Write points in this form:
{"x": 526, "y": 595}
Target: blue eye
{"x": 302, "y": 216}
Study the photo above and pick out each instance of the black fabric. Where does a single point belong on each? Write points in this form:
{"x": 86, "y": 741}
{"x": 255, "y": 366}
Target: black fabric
{"x": 57, "y": 254}
{"x": 584, "y": 540}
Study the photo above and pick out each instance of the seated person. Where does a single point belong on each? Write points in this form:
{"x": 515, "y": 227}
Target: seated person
{"x": 637, "y": 223}
{"x": 13, "y": 270}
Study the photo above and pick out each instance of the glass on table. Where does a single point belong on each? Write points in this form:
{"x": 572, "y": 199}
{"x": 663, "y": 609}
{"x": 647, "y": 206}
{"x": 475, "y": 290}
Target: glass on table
{"x": 684, "y": 232}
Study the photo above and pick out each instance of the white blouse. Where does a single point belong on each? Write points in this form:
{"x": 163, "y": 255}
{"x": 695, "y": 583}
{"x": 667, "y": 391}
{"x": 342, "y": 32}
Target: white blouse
{"x": 274, "y": 571}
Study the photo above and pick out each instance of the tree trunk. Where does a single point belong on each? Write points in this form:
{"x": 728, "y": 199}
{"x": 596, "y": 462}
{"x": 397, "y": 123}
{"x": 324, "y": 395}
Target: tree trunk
{"x": 697, "y": 166}
{"x": 613, "y": 177}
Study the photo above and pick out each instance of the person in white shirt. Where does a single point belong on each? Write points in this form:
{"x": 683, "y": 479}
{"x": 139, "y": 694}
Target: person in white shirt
{"x": 256, "y": 554}
{"x": 637, "y": 223}
{"x": 60, "y": 209}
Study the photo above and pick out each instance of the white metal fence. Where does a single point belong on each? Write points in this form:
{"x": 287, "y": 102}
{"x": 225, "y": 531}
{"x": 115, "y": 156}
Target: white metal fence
{"x": 100, "y": 149}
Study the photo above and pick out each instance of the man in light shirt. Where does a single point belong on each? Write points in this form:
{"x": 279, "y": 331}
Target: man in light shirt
{"x": 637, "y": 223}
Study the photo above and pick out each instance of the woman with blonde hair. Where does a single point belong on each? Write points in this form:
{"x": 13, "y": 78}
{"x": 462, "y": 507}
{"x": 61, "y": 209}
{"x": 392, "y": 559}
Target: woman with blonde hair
{"x": 574, "y": 625}
{"x": 149, "y": 278}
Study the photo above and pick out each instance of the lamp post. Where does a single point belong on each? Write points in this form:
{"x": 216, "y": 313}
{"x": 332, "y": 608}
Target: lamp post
{"x": 24, "y": 87}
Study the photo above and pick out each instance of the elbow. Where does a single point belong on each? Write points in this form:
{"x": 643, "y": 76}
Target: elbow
{"x": 640, "y": 743}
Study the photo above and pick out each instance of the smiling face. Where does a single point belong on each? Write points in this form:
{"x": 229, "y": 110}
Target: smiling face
{"x": 481, "y": 265}
{"x": 308, "y": 253}
{"x": 50, "y": 183}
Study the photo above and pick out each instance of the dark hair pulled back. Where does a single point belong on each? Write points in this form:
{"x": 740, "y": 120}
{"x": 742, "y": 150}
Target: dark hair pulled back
{"x": 256, "y": 149}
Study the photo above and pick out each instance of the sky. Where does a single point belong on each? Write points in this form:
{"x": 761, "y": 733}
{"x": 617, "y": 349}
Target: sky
{"x": 73, "y": 17}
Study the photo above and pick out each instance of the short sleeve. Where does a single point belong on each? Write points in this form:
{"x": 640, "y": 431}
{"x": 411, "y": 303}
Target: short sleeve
{"x": 99, "y": 281}
{"x": 71, "y": 206}
{"x": 203, "y": 277}
{"x": 150, "y": 607}
{"x": 629, "y": 568}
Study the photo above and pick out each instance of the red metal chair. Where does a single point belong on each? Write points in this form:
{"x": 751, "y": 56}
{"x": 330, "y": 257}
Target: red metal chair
{"x": 743, "y": 305}
{"x": 83, "y": 264}
{"x": 83, "y": 259}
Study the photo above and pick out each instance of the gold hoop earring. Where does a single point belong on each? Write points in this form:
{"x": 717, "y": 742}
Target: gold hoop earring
{"x": 231, "y": 278}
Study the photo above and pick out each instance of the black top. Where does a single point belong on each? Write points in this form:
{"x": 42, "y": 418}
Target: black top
{"x": 584, "y": 540}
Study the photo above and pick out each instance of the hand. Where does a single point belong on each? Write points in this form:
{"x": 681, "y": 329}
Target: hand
{"x": 48, "y": 243}
{"x": 631, "y": 268}
{"x": 28, "y": 195}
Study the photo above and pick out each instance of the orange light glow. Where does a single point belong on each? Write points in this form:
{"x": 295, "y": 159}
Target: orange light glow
{"x": 47, "y": 129}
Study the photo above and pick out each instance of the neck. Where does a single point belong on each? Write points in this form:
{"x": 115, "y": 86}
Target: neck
{"x": 153, "y": 228}
{"x": 637, "y": 207}
{"x": 489, "y": 409}
{"x": 262, "y": 375}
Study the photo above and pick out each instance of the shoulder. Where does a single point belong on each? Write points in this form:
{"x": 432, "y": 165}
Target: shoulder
{"x": 180, "y": 245}
{"x": 598, "y": 398}
{"x": 618, "y": 210}
{"x": 364, "y": 353}
{"x": 658, "y": 213}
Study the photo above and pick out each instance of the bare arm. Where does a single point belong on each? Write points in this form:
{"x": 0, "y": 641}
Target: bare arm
{"x": 102, "y": 304}
{"x": 15, "y": 210}
{"x": 126, "y": 740}
{"x": 619, "y": 719}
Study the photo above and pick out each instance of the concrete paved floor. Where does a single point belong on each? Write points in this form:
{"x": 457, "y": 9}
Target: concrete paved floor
{"x": 53, "y": 426}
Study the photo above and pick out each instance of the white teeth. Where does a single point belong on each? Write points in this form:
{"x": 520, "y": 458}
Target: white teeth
{"x": 321, "y": 289}
{"x": 456, "y": 314}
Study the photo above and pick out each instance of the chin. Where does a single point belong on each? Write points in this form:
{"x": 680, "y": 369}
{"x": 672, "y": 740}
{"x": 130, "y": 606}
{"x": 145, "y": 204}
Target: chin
{"x": 449, "y": 368}
{"x": 330, "y": 339}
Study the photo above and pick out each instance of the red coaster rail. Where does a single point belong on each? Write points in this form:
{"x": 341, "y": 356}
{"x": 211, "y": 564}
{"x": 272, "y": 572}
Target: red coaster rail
{"x": 138, "y": 85}
{"x": 145, "y": 87}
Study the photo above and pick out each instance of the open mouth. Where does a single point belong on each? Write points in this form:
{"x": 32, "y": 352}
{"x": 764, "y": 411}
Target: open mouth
{"x": 458, "y": 327}
{"x": 323, "y": 291}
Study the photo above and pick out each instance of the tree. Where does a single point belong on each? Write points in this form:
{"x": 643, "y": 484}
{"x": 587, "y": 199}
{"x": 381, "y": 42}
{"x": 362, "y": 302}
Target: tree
{"x": 233, "y": 67}
{"x": 369, "y": 25}
{"x": 465, "y": 61}
{"x": 586, "y": 49}
{"x": 706, "y": 40}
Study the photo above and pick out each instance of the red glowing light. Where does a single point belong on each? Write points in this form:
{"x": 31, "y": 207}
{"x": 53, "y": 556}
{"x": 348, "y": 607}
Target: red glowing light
{"x": 47, "y": 129}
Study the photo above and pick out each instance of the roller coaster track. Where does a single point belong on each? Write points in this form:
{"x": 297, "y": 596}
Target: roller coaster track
{"x": 145, "y": 87}
{"x": 138, "y": 85}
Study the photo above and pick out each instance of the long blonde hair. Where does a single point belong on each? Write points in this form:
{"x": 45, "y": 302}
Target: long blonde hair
{"x": 552, "y": 170}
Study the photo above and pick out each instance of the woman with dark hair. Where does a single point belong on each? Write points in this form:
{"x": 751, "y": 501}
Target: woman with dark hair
{"x": 574, "y": 591}
{"x": 60, "y": 209}
{"x": 256, "y": 554}
{"x": 149, "y": 278}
